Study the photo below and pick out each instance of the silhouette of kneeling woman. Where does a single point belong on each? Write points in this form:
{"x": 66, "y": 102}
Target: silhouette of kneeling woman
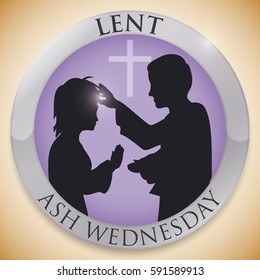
{"x": 70, "y": 170}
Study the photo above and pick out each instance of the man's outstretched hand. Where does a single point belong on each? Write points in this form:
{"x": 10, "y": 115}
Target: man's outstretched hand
{"x": 106, "y": 97}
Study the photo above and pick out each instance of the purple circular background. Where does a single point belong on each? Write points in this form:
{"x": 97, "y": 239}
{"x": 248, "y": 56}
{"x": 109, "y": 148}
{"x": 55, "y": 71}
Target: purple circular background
{"x": 128, "y": 202}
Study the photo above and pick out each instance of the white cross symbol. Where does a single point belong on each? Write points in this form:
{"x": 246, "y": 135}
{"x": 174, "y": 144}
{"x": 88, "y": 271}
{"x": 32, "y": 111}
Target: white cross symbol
{"x": 130, "y": 59}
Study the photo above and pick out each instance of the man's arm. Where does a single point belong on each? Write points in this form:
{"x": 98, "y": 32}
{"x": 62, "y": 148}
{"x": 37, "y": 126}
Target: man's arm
{"x": 136, "y": 129}
{"x": 132, "y": 126}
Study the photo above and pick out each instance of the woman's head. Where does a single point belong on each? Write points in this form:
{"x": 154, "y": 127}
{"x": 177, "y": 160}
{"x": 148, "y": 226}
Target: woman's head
{"x": 75, "y": 106}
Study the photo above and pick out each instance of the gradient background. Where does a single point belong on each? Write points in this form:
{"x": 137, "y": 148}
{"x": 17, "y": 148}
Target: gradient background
{"x": 27, "y": 26}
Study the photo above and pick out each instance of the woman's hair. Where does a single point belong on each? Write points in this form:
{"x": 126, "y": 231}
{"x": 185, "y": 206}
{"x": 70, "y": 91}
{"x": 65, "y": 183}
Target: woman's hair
{"x": 69, "y": 99}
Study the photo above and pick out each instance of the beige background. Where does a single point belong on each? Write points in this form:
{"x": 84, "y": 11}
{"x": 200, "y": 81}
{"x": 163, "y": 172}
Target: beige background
{"x": 26, "y": 27}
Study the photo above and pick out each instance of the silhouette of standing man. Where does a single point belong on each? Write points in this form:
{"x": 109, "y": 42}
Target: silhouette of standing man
{"x": 70, "y": 171}
{"x": 181, "y": 169}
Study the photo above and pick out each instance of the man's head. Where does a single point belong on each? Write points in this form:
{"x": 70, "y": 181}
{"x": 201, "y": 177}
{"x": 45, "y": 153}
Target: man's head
{"x": 171, "y": 79}
{"x": 75, "y": 105}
